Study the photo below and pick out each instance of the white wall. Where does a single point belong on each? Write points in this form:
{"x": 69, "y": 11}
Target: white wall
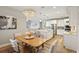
{"x": 5, "y": 35}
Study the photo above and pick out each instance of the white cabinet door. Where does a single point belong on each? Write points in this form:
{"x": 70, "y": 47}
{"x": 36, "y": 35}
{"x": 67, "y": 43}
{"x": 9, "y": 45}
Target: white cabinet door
{"x": 60, "y": 23}
{"x": 71, "y": 42}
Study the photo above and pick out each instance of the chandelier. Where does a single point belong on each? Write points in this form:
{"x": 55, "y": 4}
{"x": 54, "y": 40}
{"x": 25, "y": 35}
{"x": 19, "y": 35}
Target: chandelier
{"x": 29, "y": 13}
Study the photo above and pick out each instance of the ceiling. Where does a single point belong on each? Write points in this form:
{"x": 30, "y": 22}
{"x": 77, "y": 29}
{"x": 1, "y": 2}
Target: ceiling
{"x": 45, "y": 11}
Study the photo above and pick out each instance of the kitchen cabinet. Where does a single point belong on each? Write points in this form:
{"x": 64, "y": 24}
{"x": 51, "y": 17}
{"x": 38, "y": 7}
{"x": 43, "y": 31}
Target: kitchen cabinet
{"x": 70, "y": 41}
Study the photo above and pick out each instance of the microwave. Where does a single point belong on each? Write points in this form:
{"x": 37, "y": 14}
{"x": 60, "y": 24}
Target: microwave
{"x": 67, "y": 28}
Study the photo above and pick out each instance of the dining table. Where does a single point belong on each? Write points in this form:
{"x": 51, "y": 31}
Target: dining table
{"x": 34, "y": 42}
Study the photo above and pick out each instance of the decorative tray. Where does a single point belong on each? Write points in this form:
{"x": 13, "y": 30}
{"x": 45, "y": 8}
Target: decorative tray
{"x": 28, "y": 37}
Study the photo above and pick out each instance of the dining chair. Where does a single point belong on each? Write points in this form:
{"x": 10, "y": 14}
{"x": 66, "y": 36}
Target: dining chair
{"x": 48, "y": 45}
{"x": 14, "y": 45}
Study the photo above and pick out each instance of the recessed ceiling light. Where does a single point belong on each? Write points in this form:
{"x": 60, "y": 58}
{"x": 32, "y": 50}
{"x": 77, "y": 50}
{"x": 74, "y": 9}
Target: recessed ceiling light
{"x": 40, "y": 20}
{"x": 54, "y": 7}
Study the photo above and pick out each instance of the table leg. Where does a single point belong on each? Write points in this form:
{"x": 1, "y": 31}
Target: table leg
{"x": 18, "y": 48}
{"x": 42, "y": 45}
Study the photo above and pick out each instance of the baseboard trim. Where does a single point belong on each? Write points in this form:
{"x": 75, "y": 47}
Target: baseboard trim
{"x": 4, "y": 45}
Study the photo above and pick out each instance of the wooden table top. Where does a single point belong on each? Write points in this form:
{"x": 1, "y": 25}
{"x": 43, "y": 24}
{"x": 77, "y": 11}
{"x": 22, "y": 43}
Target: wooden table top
{"x": 35, "y": 42}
